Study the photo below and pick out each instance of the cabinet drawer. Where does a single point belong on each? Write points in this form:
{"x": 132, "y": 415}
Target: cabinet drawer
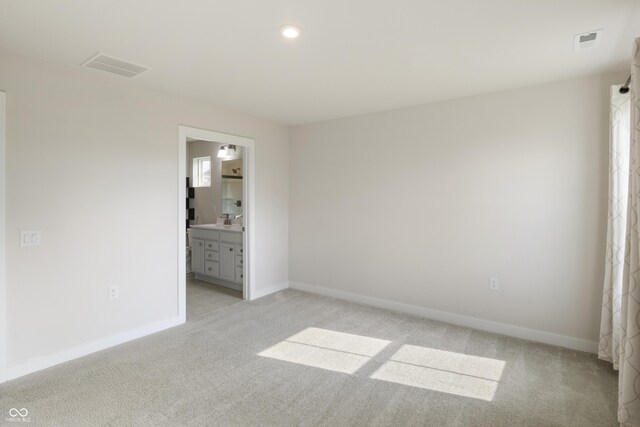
{"x": 211, "y": 245}
{"x": 239, "y": 274}
{"x": 204, "y": 234}
{"x": 230, "y": 237}
{"x": 211, "y": 268}
{"x": 211, "y": 256}
{"x": 239, "y": 261}
{"x": 239, "y": 250}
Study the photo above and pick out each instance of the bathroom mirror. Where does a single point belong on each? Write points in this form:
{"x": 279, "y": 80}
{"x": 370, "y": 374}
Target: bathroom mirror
{"x": 232, "y": 203}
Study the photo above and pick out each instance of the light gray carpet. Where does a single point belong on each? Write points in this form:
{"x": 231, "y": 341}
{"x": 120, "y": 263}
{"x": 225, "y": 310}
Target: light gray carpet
{"x": 208, "y": 372}
{"x": 203, "y": 298}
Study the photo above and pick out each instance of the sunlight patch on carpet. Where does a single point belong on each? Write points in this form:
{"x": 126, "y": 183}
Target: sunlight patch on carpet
{"x": 326, "y": 349}
{"x": 443, "y": 371}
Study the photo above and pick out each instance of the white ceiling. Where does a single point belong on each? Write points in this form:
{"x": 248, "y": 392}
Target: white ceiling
{"x": 354, "y": 56}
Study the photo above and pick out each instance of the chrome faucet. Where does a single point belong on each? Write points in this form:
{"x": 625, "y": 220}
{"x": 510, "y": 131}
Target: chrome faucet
{"x": 238, "y": 216}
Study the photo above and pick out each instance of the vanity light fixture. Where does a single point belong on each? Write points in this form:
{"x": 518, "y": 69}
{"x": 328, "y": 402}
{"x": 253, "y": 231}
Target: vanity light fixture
{"x": 227, "y": 151}
{"x": 291, "y": 31}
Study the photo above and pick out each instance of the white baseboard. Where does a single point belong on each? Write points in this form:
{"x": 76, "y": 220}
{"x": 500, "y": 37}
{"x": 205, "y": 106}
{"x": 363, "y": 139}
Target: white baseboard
{"x": 270, "y": 290}
{"x": 456, "y": 319}
{"x": 40, "y": 363}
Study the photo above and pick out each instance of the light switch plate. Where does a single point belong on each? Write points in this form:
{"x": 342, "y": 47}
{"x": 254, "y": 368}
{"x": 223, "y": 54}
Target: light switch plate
{"x": 30, "y": 238}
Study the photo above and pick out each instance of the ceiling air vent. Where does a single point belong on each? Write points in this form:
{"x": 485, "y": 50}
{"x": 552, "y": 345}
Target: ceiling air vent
{"x": 588, "y": 40}
{"x": 114, "y": 65}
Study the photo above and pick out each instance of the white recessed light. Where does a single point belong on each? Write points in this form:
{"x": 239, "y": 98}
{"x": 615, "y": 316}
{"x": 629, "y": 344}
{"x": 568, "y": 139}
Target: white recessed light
{"x": 291, "y": 31}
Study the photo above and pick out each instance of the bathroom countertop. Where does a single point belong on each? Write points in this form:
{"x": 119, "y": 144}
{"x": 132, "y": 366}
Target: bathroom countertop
{"x": 235, "y": 227}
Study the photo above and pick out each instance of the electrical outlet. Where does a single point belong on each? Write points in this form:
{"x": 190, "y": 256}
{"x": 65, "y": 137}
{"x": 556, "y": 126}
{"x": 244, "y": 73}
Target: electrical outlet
{"x": 494, "y": 284}
{"x": 114, "y": 292}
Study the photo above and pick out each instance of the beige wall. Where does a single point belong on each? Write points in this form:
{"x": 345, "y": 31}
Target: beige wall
{"x": 92, "y": 161}
{"x": 422, "y": 205}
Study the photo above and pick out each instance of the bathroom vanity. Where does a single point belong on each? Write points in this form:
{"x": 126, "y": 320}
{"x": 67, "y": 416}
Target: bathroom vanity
{"x": 217, "y": 255}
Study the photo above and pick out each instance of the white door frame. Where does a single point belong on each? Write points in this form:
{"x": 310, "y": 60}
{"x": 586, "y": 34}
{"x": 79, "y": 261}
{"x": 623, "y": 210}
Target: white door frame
{"x": 249, "y": 168}
{"x": 3, "y": 237}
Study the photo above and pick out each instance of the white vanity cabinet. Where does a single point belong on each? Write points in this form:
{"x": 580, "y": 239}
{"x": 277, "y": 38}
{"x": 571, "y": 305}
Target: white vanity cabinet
{"x": 227, "y": 262}
{"x": 217, "y": 255}
{"x": 197, "y": 256}
{"x": 239, "y": 264}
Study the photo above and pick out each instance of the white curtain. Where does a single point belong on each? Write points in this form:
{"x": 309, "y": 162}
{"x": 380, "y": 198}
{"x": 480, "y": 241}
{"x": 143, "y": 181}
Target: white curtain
{"x": 629, "y": 348}
{"x": 619, "y": 137}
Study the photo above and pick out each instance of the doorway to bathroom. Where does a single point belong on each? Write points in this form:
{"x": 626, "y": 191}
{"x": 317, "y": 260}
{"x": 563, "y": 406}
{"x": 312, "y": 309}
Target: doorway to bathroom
{"x": 216, "y": 173}
{"x": 214, "y": 205}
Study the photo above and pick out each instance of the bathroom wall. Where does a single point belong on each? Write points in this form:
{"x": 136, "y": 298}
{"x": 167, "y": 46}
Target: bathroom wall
{"x": 229, "y": 165}
{"x": 422, "y": 205}
{"x": 92, "y": 162}
{"x": 208, "y": 200}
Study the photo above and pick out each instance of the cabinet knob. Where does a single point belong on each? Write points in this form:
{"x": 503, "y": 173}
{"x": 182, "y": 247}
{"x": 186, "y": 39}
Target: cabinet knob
{"x": 230, "y": 249}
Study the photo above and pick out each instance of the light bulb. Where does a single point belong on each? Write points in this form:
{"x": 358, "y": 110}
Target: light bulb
{"x": 291, "y": 31}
